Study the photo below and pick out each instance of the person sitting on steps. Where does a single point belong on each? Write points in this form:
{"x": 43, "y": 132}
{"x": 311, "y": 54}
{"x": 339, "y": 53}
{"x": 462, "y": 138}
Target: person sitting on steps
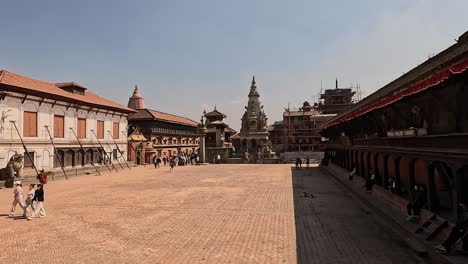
{"x": 414, "y": 206}
{"x": 458, "y": 232}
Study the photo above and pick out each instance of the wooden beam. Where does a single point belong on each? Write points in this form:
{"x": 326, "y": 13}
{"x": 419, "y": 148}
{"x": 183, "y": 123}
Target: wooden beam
{"x": 24, "y": 98}
{"x": 68, "y": 106}
{"x": 42, "y": 100}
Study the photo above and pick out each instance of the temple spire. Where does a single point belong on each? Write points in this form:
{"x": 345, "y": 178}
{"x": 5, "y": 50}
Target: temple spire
{"x": 136, "y": 101}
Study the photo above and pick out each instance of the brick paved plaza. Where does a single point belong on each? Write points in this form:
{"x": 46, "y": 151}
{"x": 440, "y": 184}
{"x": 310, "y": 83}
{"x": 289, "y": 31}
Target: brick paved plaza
{"x": 206, "y": 214}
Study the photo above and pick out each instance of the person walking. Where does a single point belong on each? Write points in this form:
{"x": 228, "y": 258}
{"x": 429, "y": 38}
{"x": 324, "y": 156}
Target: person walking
{"x": 155, "y": 158}
{"x": 158, "y": 162}
{"x": 218, "y": 159}
{"x": 30, "y": 198}
{"x": 458, "y": 231}
{"x": 298, "y": 160}
{"x": 172, "y": 163}
{"x": 18, "y": 198}
{"x": 42, "y": 177}
{"x": 39, "y": 199}
{"x": 165, "y": 160}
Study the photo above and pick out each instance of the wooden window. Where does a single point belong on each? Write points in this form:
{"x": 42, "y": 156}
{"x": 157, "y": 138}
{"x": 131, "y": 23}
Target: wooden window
{"x": 100, "y": 129}
{"x": 29, "y": 124}
{"x": 115, "y": 130}
{"x": 81, "y": 128}
{"x": 59, "y": 122}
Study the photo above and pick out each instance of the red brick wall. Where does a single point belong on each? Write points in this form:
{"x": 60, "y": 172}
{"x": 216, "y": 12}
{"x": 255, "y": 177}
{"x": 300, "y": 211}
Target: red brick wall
{"x": 421, "y": 172}
{"x": 405, "y": 175}
{"x": 391, "y": 166}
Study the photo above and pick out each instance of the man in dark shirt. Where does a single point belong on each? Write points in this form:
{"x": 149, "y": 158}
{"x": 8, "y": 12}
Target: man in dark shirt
{"x": 39, "y": 199}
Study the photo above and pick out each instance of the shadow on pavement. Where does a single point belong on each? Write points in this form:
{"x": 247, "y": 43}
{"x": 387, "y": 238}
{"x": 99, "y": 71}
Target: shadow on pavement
{"x": 302, "y": 208}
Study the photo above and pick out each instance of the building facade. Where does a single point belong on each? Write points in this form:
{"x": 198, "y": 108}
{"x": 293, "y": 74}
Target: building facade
{"x": 154, "y": 133}
{"x": 218, "y": 136}
{"x": 30, "y": 109}
{"x": 413, "y": 131}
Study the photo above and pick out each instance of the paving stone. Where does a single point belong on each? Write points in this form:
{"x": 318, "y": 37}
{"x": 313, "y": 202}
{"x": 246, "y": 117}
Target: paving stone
{"x": 207, "y": 214}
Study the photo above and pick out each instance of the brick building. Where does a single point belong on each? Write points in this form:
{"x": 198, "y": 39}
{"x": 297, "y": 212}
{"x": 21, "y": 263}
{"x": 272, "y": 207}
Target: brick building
{"x": 66, "y": 109}
{"x": 154, "y": 132}
{"x": 413, "y": 131}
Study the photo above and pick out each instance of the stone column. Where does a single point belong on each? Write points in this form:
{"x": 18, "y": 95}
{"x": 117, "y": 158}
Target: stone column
{"x": 201, "y": 131}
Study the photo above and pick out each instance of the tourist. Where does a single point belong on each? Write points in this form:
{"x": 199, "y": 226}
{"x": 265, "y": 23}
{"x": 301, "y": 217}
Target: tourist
{"x": 298, "y": 163}
{"x": 176, "y": 160}
{"x": 158, "y": 162}
{"x": 370, "y": 181}
{"x": 154, "y": 161}
{"x": 458, "y": 231}
{"x": 18, "y": 197}
{"x": 39, "y": 199}
{"x": 307, "y": 161}
{"x": 218, "y": 159}
{"x": 172, "y": 163}
{"x": 42, "y": 177}
{"x": 30, "y": 198}
{"x": 352, "y": 174}
{"x": 414, "y": 206}
{"x": 165, "y": 160}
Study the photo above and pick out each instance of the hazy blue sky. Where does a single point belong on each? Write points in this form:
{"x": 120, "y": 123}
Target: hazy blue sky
{"x": 187, "y": 55}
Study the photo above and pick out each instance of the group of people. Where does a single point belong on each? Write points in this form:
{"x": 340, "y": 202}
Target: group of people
{"x": 459, "y": 232}
{"x": 173, "y": 161}
{"x": 34, "y": 202}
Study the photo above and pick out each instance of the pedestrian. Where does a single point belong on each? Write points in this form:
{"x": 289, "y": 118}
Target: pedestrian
{"x": 352, "y": 173}
{"x": 158, "y": 162}
{"x": 172, "y": 163}
{"x": 458, "y": 231}
{"x": 30, "y": 198}
{"x": 165, "y": 160}
{"x": 414, "y": 206}
{"x": 154, "y": 161}
{"x": 42, "y": 177}
{"x": 198, "y": 160}
{"x": 39, "y": 199}
{"x": 218, "y": 159}
{"x": 370, "y": 181}
{"x": 298, "y": 160}
{"x": 18, "y": 198}
{"x": 307, "y": 161}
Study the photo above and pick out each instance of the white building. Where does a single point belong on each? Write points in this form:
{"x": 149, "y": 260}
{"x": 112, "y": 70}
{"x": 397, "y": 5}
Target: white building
{"x": 65, "y": 108}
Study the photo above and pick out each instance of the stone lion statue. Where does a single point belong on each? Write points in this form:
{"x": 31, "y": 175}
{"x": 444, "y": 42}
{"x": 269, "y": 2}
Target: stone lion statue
{"x": 14, "y": 168}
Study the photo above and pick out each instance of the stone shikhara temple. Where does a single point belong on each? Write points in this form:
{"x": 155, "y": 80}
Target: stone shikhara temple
{"x": 252, "y": 141}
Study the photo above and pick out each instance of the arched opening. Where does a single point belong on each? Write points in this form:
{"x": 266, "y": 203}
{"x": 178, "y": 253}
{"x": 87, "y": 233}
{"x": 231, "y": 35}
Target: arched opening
{"x": 69, "y": 158}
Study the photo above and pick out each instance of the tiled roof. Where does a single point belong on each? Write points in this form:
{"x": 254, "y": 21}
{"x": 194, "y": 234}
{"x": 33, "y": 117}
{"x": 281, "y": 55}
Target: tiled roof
{"x": 215, "y": 113}
{"x": 67, "y": 84}
{"x": 27, "y": 85}
{"x": 145, "y": 114}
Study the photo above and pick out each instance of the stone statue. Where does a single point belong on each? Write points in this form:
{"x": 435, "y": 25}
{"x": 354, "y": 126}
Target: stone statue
{"x": 13, "y": 169}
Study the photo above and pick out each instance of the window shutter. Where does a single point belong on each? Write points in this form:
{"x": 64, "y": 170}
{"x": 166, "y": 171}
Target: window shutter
{"x": 115, "y": 132}
{"x": 100, "y": 129}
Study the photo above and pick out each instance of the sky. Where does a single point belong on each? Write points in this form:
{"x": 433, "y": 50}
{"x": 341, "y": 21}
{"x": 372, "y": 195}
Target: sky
{"x": 191, "y": 55}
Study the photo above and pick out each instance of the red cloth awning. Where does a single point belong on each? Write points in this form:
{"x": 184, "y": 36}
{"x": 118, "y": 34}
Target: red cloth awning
{"x": 400, "y": 94}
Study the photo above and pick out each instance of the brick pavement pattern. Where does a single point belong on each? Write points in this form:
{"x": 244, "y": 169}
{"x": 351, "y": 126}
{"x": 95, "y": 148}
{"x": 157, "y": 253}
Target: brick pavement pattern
{"x": 206, "y": 214}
